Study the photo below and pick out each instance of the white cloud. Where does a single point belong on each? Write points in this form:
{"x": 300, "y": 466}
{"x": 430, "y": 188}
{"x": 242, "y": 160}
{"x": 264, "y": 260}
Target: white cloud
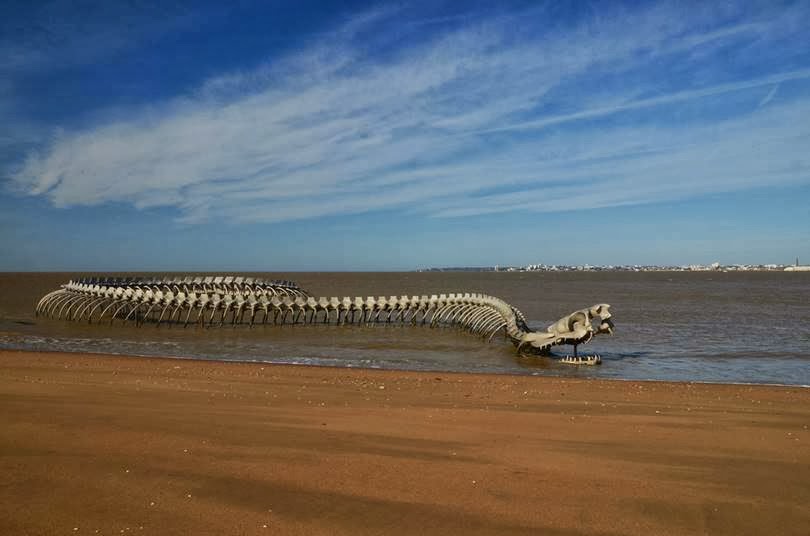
{"x": 443, "y": 126}
{"x": 652, "y": 164}
{"x": 769, "y": 97}
{"x": 671, "y": 98}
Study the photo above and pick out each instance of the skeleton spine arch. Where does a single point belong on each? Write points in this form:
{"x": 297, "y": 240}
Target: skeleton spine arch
{"x": 217, "y": 301}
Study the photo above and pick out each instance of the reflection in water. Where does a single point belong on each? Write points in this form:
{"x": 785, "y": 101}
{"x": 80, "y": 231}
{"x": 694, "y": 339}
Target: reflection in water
{"x": 728, "y": 327}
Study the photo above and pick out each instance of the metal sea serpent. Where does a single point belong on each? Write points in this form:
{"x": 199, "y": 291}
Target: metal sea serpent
{"x": 235, "y": 300}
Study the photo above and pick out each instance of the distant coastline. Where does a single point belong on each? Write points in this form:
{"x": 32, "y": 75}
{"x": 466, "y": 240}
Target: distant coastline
{"x": 714, "y": 267}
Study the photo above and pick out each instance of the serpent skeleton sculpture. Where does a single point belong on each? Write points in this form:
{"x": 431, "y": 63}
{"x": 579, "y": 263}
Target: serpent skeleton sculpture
{"x": 235, "y": 300}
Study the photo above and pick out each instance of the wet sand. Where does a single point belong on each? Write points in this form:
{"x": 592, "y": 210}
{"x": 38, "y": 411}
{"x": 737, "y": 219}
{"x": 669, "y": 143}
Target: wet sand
{"x": 108, "y": 445}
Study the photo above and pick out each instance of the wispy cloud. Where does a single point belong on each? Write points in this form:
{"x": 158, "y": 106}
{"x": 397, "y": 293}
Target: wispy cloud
{"x": 475, "y": 116}
{"x": 653, "y": 164}
{"x": 769, "y": 97}
{"x": 662, "y": 100}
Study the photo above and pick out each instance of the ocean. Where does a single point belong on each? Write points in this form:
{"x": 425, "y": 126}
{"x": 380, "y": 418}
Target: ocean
{"x": 727, "y": 327}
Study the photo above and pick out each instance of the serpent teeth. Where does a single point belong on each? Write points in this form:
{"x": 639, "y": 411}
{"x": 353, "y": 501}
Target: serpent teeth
{"x": 582, "y": 360}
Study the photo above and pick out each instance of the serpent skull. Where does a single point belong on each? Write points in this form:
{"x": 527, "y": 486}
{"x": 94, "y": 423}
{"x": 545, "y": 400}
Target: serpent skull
{"x": 577, "y": 328}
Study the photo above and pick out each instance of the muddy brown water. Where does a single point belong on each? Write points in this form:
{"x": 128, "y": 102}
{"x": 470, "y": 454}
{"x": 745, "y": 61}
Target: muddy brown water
{"x": 751, "y": 327}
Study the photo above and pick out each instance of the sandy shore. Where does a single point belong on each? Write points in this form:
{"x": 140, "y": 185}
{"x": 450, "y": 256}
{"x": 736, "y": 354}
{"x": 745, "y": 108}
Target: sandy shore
{"x": 109, "y": 445}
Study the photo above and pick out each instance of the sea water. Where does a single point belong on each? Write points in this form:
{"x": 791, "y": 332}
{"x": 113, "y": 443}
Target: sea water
{"x": 731, "y": 327}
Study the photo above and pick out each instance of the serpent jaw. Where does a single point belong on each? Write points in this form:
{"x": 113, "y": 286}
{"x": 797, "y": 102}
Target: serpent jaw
{"x": 593, "y": 359}
{"x": 580, "y": 327}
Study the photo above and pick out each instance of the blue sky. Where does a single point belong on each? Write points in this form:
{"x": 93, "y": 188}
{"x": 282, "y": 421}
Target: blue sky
{"x": 383, "y": 136}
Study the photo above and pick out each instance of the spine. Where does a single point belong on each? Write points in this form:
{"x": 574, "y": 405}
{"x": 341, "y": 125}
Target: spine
{"x": 208, "y": 301}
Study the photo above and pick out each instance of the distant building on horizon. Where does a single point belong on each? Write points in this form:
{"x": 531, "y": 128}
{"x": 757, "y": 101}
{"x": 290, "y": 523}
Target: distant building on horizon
{"x": 797, "y": 267}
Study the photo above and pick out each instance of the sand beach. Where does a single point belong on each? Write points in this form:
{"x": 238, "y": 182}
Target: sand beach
{"x": 96, "y": 444}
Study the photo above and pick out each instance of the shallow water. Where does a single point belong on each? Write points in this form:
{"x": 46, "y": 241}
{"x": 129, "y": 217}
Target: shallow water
{"x": 751, "y": 327}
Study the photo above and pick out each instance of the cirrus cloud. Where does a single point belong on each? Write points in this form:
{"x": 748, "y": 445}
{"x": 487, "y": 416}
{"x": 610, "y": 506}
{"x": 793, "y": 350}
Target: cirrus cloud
{"x": 479, "y": 115}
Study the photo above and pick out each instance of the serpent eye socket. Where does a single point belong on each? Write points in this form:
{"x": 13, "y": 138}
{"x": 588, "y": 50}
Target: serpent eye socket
{"x": 606, "y": 326}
